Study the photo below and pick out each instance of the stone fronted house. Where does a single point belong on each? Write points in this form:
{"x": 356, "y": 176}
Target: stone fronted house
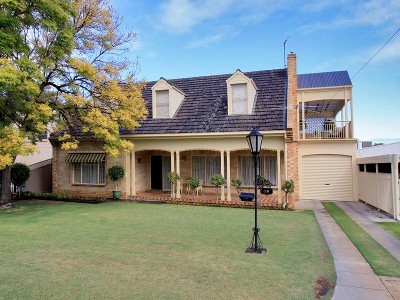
{"x": 197, "y": 127}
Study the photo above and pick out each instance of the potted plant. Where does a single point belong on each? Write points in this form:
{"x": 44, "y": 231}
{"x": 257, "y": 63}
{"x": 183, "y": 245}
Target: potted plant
{"x": 193, "y": 183}
{"x": 218, "y": 180}
{"x": 288, "y": 188}
{"x": 116, "y": 173}
{"x": 173, "y": 177}
{"x": 264, "y": 185}
{"x": 19, "y": 175}
{"x": 237, "y": 183}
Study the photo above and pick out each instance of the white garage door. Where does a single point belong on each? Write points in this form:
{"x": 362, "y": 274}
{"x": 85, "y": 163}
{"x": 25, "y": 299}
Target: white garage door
{"x": 327, "y": 177}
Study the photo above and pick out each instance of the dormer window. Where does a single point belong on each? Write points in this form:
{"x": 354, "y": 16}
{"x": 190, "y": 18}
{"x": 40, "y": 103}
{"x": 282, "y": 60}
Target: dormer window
{"x": 166, "y": 99}
{"x": 239, "y": 98}
{"x": 162, "y": 104}
{"x": 241, "y": 94}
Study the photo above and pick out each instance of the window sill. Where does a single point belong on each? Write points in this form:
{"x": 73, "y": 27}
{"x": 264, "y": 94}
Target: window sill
{"x": 88, "y": 184}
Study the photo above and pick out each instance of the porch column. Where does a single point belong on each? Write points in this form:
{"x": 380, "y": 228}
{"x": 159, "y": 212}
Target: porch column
{"x": 172, "y": 170}
{"x": 127, "y": 166}
{"x": 279, "y": 183}
{"x": 178, "y": 170}
{"x": 394, "y": 158}
{"x": 228, "y": 175}
{"x": 352, "y": 119}
{"x": 222, "y": 173}
{"x": 303, "y": 118}
{"x": 133, "y": 173}
{"x": 346, "y": 116}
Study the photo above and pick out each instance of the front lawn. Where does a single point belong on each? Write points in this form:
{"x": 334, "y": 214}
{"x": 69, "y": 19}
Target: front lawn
{"x": 53, "y": 250}
{"x": 391, "y": 227}
{"x": 380, "y": 260}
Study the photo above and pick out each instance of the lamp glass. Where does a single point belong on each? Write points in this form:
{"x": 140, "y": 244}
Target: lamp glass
{"x": 254, "y": 139}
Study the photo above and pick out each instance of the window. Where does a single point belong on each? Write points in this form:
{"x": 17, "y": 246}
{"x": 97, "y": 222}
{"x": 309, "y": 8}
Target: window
{"x": 162, "y": 104}
{"x": 89, "y": 172}
{"x": 267, "y": 169}
{"x": 370, "y": 168}
{"x": 239, "y": 98}
{"x": 385, "y": 168}
{"x": 44, "y": 135}
{"x": 203, "y": 167}
{"x": 361, "y": 168}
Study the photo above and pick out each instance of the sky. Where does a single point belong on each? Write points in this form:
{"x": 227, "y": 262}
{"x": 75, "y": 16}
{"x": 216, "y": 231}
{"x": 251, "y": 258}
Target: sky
{"x": 187, "y": 38}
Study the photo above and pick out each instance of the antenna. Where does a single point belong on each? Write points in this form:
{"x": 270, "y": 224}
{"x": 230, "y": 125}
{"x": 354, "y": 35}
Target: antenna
{"x": 284, "y": 52}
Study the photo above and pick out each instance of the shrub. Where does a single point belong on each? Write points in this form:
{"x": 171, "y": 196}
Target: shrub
{"x": 116, "y": 173}
{"x": 63, "y": 197}
{"x": 263, "y": 182}
{"x": 237, "y": 183}
{"x": 19, "y": 174}
{"x": 288, "y": 188}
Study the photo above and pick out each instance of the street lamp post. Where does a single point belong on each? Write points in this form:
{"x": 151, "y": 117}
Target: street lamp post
{"x": 254, "y": 139}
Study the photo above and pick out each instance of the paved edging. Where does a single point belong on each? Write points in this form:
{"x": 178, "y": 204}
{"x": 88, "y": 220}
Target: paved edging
{"x": 390, "y": 243}
{"x": 355, "y": 278}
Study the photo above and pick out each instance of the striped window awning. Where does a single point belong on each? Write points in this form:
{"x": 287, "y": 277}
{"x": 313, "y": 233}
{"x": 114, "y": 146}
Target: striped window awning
{"x": 85, "y": 157}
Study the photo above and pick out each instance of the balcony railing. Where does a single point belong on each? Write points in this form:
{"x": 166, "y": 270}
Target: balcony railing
{"x": 322, "y": 129}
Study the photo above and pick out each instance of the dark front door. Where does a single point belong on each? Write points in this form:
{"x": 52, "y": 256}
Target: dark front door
{"x": 156, "y": 173}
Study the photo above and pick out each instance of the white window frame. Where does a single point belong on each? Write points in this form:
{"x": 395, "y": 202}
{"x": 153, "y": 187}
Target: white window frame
{"x": 167, "y": 105}
{"x": 81, "y": 171}
{"x": 207, "y": 177}
{"x": 240, "y": 101}
{"x": 261, "y": 170}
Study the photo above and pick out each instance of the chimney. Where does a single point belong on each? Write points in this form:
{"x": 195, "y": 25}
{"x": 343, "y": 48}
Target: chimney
{"x": 292, "y": 111}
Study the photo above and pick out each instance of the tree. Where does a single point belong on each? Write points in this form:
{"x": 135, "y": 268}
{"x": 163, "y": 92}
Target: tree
{"x": 19, "y": 175}
{"x": 173, "y": 177}
{"x": 288, "y": 188}
{"x": 62, "y": 62}
{"x": 218, "y": 180}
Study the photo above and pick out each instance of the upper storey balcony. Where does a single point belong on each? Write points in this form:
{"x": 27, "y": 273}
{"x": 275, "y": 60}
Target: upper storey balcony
{"x": 325, "y": 106}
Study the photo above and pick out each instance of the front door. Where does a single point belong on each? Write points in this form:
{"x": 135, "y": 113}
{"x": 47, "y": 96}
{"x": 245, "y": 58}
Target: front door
{"x": 156, "y": 173}
{"x": 160, "y": 167}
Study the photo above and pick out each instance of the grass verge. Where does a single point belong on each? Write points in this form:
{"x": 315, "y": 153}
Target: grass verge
{"x": 391, "y": 227}
{"x": 118, "y": 250}
{"x": 381, "y": 261}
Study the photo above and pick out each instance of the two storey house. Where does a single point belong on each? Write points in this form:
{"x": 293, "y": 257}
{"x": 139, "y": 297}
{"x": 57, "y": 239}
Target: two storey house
{"x": 198, "y": 126}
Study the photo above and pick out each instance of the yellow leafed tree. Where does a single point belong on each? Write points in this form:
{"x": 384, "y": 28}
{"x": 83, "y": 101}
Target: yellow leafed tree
{"x": 62, "y": 62}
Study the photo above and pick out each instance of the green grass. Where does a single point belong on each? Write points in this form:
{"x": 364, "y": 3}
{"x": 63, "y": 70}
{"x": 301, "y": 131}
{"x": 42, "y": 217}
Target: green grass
{"x": 381, "y": 261}
{"x": 391, "y": 227}
{"x": 117, "y": 250}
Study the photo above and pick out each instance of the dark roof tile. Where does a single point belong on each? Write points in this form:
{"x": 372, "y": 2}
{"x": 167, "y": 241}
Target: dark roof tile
{"x": 205, "y": 107}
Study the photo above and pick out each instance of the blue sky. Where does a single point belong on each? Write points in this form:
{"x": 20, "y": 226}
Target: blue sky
{"x": 185, "y": 38}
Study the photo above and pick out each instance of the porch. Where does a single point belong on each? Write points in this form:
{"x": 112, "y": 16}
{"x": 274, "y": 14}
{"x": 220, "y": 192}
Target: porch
{"x": 209, "y": 199}
{"x": 325, "y": 113}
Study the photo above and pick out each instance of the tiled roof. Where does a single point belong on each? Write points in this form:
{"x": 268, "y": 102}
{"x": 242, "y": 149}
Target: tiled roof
{"x": 325, "y": 79}
{"x": 205, "y": 107}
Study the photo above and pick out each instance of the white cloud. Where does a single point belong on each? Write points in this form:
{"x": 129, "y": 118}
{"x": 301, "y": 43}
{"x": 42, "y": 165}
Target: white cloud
{"x": 367, "y": 13}
{"x": 207, "y": 41}
{"x": 179, "y": 16}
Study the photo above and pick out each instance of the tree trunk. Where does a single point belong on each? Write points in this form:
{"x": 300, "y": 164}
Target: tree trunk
{"x": 6, "y": 186}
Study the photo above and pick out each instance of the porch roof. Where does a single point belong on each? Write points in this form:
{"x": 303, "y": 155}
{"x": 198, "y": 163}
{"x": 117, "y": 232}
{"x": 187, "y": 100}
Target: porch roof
{"x": 323, "y": 79}
{"x": 205, "y": 107}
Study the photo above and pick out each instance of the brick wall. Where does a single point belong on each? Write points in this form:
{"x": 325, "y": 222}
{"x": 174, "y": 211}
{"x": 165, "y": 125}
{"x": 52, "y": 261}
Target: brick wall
{"x": 63, "y": 172}
{"x": 292, "y": 128}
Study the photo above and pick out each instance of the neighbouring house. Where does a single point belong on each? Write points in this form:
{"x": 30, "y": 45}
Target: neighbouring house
{"x": 379, "y": 178}
{"x": 40, "y": 165}
{"x": 198, "y": 126}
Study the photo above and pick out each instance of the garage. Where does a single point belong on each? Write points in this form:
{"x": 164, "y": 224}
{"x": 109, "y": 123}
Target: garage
{"x": 326, "y": 177}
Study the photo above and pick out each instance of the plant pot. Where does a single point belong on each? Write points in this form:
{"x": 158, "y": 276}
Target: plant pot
{"x": 117, "y": 195}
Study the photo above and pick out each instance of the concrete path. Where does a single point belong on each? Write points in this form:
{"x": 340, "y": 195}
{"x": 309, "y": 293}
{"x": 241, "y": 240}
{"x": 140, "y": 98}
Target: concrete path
{"x": 355, "y": 278}
{"x": 365, "y": 216}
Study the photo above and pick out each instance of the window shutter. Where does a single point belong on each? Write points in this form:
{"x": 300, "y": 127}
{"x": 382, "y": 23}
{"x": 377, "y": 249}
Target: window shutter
{"x": 239, "y": 98}
{"x": 162, "y": 103}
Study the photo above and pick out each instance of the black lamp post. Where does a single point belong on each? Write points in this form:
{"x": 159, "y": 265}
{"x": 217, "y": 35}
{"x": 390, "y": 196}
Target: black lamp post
{"x": 254, "y": 139}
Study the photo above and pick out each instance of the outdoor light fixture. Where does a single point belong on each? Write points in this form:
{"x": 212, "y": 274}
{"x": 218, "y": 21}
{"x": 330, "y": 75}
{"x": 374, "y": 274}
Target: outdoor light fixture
{"x": 254, "y": 139}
